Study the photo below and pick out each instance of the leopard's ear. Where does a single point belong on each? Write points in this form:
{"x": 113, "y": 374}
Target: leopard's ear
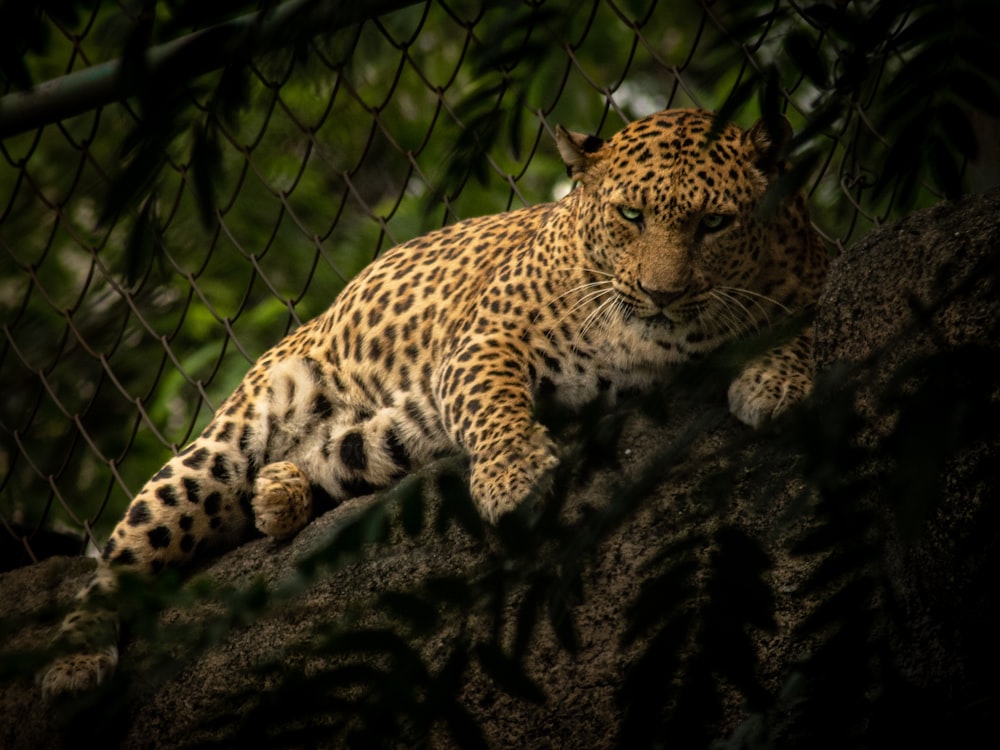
{"x": 769, "y": 138}
{"x": 578, "y": 150}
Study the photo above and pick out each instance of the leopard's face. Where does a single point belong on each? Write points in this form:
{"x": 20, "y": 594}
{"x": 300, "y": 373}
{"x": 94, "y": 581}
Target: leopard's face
{"x": 669, "y": 220}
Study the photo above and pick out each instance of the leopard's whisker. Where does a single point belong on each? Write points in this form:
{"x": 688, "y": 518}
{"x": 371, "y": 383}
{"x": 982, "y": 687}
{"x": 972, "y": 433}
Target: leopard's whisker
{"x": 611, "y": 311}
{"x": 720, "y": 316}
{"x": 591, "y": 318}
{"x": 754, "y": 320}
{"x": 757, "y": 297}
{"x": 574, "y": 290}
{"x": 723, "y": 319}
{"x": 596, "y": 311}
{"x": 589, "y": 291}
{"x": 742, "y": 323}
{"x": 739, "y": 315}
{"x": 601, "y": 316}
{"x": 621, "y": 309}
{"x": 588, "y": 298}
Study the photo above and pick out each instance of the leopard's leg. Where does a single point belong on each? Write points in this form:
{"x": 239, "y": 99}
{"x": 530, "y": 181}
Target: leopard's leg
{"x": 199, "y": 500}
{"x": 202, "y": 500}
{"x": 361, "y": 451}
{"x": 770, "y": 384}
{"x": 89, "y": 637}
{"x": 511, "y": 455}
{"x": 326, "y": 448}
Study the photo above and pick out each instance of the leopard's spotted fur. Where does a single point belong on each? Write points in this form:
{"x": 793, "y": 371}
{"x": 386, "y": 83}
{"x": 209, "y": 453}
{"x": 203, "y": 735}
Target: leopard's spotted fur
{"x": 442, "y": 344}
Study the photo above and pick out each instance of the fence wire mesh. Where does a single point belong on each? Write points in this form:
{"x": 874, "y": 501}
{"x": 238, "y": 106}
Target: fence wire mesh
{"x": 123, "y": 329}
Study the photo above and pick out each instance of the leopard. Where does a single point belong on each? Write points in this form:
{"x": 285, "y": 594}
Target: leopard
{"x": 443, "y": 345}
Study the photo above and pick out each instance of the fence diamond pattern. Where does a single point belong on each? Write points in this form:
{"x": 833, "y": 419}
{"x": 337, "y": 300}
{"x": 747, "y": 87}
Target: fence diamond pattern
{"x": 132, "y": 304}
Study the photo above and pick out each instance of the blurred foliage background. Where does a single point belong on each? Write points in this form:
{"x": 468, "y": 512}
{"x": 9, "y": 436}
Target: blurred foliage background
{"x": 246, "y": 159}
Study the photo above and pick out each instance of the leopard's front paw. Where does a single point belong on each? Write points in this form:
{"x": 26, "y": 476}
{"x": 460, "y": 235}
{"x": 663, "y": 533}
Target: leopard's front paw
{"x": 282, "y": 500}
{"x": 765, "y": 390}
{"x": 503, "y": 480}
{"x": 75, "y": 673}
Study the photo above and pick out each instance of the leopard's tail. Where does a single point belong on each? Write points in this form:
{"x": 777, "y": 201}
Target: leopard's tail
{"x": 200, "y": 498}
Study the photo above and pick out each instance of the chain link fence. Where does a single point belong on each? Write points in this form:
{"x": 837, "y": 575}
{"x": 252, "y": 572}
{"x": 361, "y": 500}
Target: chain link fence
{"x": 152, "y": 246}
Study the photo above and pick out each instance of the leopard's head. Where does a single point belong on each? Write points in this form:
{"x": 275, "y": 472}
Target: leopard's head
{"x": 667, "y": 211}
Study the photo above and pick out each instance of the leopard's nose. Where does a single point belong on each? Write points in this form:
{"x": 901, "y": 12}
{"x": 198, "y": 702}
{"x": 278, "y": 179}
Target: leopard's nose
{"x": 663, "y": 298}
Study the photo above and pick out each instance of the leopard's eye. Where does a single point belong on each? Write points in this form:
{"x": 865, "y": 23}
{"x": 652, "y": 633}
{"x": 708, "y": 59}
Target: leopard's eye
{"x": 631, "y": 214}
{"x": 715, "y": 222}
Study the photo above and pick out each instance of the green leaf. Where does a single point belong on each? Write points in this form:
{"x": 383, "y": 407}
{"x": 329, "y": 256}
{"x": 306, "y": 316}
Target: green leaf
{"x": 143, "y": 240}
{"x": 976, "y": 91}
{"x": 456, "y": 503}
{"x": 206, "y": 168}
{"x": 854, "y": 69}
{"x": 789, "y": 183}
{"x": 771, "y": 100}
{"x": 824, "y": 16}
{"x": 515, "y": 121}
{"x": 944, "y": 167}
{"x": 410, "y": 495}
{"x": 805, "y": 53}
{"x": 750, "y": 27}
{"x": 901, "y": 167}
{"x": 833, "y": 19}
{"x": 930, "y": 31}
{"x": 915, "y": 82}
{"x": 739, "y": 96}
{"x": 818, "y": 121}
{"x": 979, "y": 51}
